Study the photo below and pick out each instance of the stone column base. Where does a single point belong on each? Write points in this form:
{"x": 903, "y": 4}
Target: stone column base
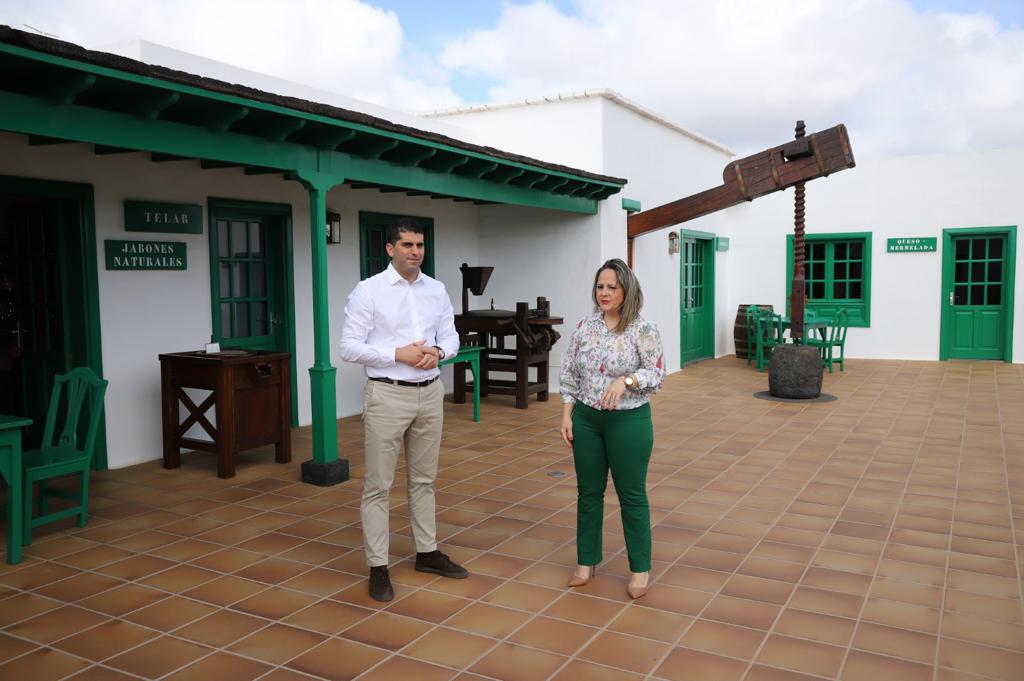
{"x": 795, "y": 372}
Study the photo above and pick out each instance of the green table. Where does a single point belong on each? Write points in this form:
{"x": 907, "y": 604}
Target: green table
{"x": 10, "y": 467}
{"x": 819, "y": 324}
{"x": 470, "y": 354}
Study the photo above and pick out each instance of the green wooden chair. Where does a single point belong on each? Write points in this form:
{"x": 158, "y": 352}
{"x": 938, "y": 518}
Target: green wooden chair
{"x": 769, "y": 333}
{"x": 834, "y": 338}
{"x": 751, "y": 314}
{"x": 77, "y": 400}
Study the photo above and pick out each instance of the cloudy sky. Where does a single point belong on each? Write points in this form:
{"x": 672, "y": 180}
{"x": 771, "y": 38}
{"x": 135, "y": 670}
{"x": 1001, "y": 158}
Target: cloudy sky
{"x": 906, "y": 76}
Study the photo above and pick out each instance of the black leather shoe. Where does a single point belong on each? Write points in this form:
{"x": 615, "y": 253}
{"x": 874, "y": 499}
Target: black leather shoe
{"x": 380, "y": 584}
{"x": 437, "y": 563}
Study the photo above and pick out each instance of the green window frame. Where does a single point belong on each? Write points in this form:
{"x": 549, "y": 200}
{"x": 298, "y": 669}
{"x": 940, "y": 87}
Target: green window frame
{"x": 373, "y": 237}
{"x": 837, "y": 274}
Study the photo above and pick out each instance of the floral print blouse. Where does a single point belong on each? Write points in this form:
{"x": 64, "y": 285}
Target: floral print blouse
{"x": 597, "y": 356}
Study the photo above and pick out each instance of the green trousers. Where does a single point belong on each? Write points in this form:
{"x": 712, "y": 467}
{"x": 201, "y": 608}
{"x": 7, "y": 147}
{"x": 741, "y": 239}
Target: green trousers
{"x": 620, "y": 441}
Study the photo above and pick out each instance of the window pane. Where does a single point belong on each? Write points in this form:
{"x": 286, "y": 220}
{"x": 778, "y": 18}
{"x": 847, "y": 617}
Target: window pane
{"x": 856, "y": 250}
{"x": 818, "y": 251}
{"x": 977, "y": 271}
{"x": 819, "y": 270}
{"x": 995, "y": 272}
{"x": 962, "y": 249}
{"x": 839, "y": 270}
{"x": 259, "y": 322}
{"x": 995, "y": 247}
{"x": 242, "y": 319}
{"x": 222, "y": 238}
{"x": 977, "y": 249}
{"x": 259, "y": 278}
{"x": 856, "y": 290}
{"x": 840, "y": 252}
{"x": 376, "y": 243}
{"x": 818, "y": 290}
{"x": 239, "y": 239}
{"x": 225, "y": 320}
{"x": 807, "y": 290}
{"x": 960, "y": 295}
{"x": 839, "y": 290}
{"x": 960, "y": 273}
{"x": 977, "y": 295}
{"x": 255, "y": 238}
{"x": 240, "y": 279}
{"x": 225, "y": 280}
{"x": 995, "y": 294}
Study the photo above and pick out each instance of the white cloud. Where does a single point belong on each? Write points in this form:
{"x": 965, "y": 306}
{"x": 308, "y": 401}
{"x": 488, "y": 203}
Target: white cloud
{"x": 743, "y": 71}
{"x": 344, "y": 46}
{"x": 739, "y": 71}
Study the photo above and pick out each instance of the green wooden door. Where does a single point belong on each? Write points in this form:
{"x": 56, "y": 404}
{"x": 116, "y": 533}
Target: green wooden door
{"x": 975, "y": 321}
{"x": 250, "y": 296}
{"x": 696, "y": 299}
{"x": 252, "y": 279}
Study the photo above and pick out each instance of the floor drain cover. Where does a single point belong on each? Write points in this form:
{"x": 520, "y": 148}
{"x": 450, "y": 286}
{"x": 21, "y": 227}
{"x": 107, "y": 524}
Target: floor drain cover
{"x": 556, "y": 474}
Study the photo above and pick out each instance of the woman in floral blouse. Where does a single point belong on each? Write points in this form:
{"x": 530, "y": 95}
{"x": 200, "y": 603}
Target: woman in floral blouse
{"x": 612, "y": 367}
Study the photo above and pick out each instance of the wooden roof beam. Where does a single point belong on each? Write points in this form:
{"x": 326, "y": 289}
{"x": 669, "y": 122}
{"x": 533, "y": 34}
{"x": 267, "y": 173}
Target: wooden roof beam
{"x": 781, "y": 167}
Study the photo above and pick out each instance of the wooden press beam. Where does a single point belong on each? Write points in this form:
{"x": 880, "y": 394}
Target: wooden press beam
{"x": 817, "y": 155}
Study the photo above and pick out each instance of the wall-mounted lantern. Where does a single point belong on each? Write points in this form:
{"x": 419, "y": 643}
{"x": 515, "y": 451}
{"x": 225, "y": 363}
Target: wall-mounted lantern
{"x": 333, "y": 227}
{"x": 673, "y": 243}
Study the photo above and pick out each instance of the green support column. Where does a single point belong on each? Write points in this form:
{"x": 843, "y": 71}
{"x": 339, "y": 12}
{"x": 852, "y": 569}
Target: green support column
{"x": 325, "y": 468}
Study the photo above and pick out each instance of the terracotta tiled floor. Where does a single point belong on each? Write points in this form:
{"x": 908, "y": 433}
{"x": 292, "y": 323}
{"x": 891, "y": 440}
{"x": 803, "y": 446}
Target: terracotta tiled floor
{"x": 876, "y": 537}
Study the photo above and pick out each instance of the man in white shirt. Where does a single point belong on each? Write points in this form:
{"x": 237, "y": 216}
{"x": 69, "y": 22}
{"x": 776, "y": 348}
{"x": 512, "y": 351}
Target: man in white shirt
{"x": 399, "y": 324}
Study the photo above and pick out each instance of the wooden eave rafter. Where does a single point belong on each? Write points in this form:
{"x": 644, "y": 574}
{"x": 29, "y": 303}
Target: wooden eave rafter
{"x": 124, "y": 111}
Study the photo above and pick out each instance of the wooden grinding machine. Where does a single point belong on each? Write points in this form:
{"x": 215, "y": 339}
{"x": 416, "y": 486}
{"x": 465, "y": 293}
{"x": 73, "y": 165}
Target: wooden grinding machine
{"x": 512, "y": 342}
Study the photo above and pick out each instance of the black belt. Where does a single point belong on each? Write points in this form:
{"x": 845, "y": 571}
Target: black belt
{"x": 408, "y": 384}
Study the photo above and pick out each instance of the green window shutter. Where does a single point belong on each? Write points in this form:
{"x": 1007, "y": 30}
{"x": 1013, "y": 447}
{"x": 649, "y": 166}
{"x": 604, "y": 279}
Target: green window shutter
{"x": 837, "y": 274}
{"x": 373, "y": 238}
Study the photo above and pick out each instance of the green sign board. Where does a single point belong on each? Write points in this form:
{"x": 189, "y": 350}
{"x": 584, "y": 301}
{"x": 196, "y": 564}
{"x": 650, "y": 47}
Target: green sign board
{"x": 176, "y": 218}
{"x": 912, "y": 244}
{"x": 145, "y": 255}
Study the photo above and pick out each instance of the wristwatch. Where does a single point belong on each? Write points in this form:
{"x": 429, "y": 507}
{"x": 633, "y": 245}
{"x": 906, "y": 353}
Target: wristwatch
{"x": 630, "y": 382}
{"x": 440, "y": 353}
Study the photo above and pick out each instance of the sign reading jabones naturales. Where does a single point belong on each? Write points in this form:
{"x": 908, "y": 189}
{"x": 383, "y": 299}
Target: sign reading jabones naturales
{"x": 145, "y": 255}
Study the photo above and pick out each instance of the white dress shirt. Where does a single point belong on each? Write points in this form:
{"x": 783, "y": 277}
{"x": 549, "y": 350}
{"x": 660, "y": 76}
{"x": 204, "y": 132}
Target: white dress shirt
{"x": 386, "y": 312}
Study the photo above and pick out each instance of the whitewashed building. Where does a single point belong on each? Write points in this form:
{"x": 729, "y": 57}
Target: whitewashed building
{"x": 230, "y": 191}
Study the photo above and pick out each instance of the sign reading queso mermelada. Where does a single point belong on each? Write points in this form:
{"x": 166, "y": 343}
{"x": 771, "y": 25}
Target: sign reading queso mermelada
{"x": 145, "y": 255}
{"x": 175, "y": 218}
{"x": 912, "y": 244}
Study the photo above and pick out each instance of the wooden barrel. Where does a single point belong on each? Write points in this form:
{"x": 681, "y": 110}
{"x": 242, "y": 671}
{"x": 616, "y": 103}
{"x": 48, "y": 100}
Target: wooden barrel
{"x": 740, "y": 330}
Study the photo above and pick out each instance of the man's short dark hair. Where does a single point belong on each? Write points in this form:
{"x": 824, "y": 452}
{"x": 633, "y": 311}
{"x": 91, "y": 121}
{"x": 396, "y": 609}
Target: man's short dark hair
{"x": 402, "y": 225}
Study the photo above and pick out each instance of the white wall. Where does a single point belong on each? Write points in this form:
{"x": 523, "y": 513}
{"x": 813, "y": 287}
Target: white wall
{"x": 901, "y": 197}
{"x": 539, "y": 252}
{"x": 567, "y": 132}
{"x": 662, "y": 165}
{"x": 145, "y": 313}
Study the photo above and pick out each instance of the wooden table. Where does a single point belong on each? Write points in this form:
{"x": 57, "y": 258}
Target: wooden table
{"x": 251, "y": 392}
{"x": 10, "y": 467}
{"x": 469, "y": 354}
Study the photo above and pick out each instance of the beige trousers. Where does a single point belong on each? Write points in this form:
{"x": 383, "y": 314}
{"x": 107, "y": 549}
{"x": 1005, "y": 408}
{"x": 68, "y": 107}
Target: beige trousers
{"x": 394, "y": 415}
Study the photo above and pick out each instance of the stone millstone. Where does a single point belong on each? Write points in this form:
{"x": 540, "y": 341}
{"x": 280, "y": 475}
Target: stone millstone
{"x": 795, "y": 372}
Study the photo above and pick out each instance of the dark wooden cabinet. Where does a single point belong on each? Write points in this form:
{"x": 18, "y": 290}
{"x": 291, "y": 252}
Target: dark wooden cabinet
{"x": 251, "y": 395}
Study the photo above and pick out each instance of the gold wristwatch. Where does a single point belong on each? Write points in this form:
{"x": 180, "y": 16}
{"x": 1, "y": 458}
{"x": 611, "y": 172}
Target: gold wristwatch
{"x": 630, "y": 382}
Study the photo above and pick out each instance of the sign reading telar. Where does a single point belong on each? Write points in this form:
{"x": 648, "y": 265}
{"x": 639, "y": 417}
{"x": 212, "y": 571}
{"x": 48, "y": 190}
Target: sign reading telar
{"x": 145, "y": 255}
{"x": 913, "y": 244}
{"x": 148, "y": 216}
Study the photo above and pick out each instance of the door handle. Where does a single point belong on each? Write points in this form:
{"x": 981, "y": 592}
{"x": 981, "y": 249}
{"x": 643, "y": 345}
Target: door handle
{"x": 950, "y": 297}
{"x": 274, "y": 321}
{"x": 17, "y": 333}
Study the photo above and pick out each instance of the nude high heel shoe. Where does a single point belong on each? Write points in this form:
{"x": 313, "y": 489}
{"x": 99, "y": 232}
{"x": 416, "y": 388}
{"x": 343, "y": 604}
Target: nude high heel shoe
{"x": 576, "y": 580}
{"x": 638, "y": 591}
